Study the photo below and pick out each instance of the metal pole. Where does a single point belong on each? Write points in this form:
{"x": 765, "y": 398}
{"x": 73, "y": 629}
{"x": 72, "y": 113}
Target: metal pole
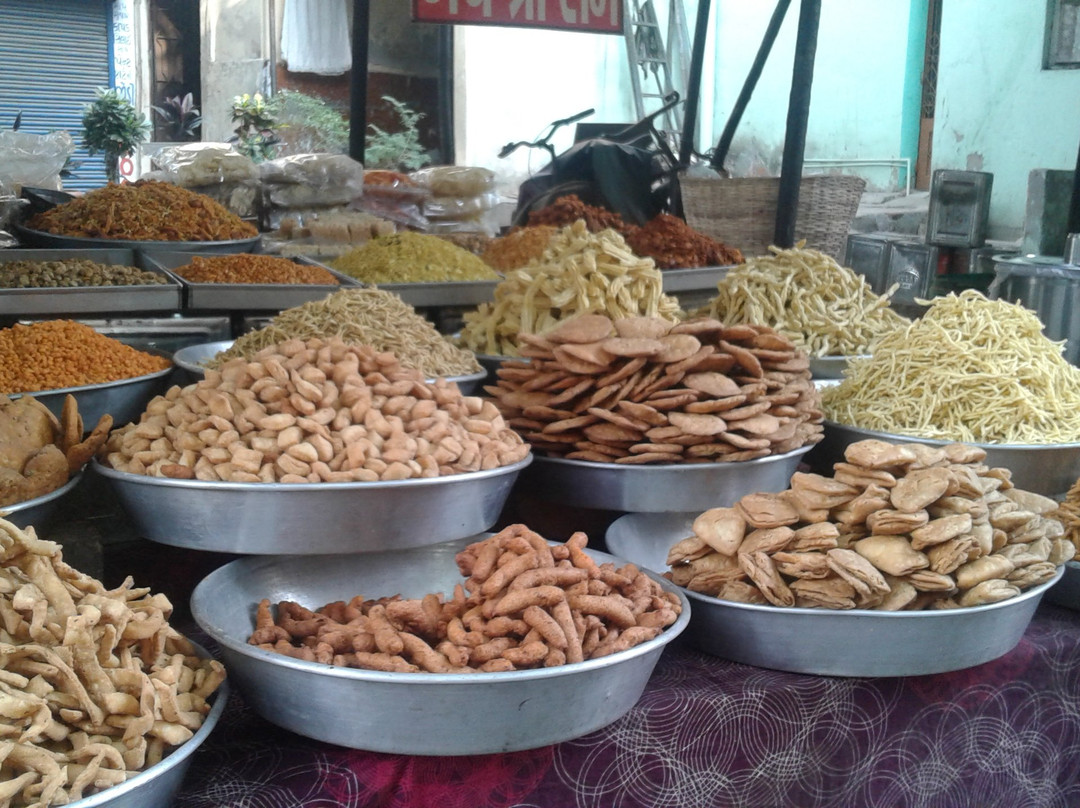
{"x": 446, "y": 93}
{"x": 1074, "y": 204}
{"x": 722, "y": 146}
{"x": 693, "y": 86}
{"x": 791, "y": 164}
{"x": 359, "y": 80}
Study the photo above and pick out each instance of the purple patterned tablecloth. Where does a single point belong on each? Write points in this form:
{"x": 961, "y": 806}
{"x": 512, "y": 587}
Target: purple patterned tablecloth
{"x": 708, "y": 732}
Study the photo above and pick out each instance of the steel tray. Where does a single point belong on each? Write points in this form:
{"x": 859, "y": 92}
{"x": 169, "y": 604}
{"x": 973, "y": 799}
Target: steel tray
{"x": 1049, "y": 469}
{"x": 831, "y": 367}
{"x": 310, "y": 518}
{"x": 826, "y": 642}
{"x": 248, "y": 296}
{"x": 38, "y": 511}
{"x": 658, "y": 488}
{"x": 89, "y": 299}
{"x": 124, "y": 400}
{"x": 446, "y": 293}
{"x": 408, "y": 713}
{"x": 695, "y": 279}
{"x": 157, "y": 786}
{"x": 40, "y": 238}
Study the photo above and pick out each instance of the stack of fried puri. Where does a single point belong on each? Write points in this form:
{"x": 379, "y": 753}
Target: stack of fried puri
{"x": 896, "y": 527}
{"x": 643, "y": 390}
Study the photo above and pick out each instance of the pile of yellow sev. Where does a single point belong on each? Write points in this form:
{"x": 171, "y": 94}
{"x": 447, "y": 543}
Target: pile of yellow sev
{"x": 971, "y": 370}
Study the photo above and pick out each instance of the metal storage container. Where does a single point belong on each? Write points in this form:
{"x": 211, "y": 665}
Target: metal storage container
{"x": 912, "y": 267}
{"x": 959, "y": 208}
{"x": 868, "y": 255}
{"x": 1048, "y": 287}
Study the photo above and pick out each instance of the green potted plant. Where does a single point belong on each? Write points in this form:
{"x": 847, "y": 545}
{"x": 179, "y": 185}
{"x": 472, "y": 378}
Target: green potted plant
{"x": 113, "y": 127}
{"x": 179, "y": 117}
{"x": 396, "y": 150}
{"x": 254, "y": 134}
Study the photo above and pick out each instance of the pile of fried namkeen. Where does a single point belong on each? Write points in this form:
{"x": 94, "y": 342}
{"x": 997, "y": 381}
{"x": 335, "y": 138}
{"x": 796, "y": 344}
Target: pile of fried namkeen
{"x": 524, "y": 604}
{"x": 897, "y": 526}
{"x": 579, "y": 273}
{"x": 95, "y": 685}
{"x": 825, "y": 308}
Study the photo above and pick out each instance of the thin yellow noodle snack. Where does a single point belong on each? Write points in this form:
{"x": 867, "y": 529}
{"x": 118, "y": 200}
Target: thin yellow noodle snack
{"x": 971, "y": 370}
{"x": 824, "y": 308}
{"x": 367, "y": 316}
{"x": 579, "y": 273}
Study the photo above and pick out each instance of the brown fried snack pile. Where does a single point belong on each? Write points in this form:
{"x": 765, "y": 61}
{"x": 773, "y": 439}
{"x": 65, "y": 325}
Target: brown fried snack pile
{"x": 568, "y": 209}
{"x": 146, "y": 210}
{"x": 519, "y": 247}
{"x": 896, "y": 527}
{"x": 314, "y": 411}
{"x": 642, "y": 390}
{"x": 38, "y": 451}
{"x": 524, "y": 604}
{"x": 95, "y": 684}
{"x": 673, "y": 244}
{"x": 1068, "y": 513}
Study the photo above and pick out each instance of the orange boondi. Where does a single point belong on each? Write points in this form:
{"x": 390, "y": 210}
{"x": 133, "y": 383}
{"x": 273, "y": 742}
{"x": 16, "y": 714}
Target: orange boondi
{"x": 54, "y": 354}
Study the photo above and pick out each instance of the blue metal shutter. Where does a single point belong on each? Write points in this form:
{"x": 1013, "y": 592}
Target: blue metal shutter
{"x": 53, "y": 55}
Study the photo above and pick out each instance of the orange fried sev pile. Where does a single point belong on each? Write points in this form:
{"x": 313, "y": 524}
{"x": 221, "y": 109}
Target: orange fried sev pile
{"x": 524, "y": 604}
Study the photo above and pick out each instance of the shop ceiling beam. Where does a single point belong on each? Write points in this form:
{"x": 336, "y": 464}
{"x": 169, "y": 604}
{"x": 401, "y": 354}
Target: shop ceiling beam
{"x": 724, "y": 144}
{"x": 358, "y": 80}
{"x": 791, "y": 164}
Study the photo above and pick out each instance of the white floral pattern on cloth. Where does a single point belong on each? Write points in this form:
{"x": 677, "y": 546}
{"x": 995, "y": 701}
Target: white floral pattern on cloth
{"x": 707, "y": 732}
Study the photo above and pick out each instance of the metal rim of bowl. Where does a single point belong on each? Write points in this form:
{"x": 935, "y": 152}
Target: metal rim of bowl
{"x": 689, "y": 467}
{"x": 889, "y": 615}
{"x": 896, "y": 436}
{"x": 44, "y": 499}
{"x": 178, "y": 755}
{"x": 222, "y": 485}
{"x": 99, "y": 386}
{"x": 86, "y": 241}
{"x": 481, "y": 677}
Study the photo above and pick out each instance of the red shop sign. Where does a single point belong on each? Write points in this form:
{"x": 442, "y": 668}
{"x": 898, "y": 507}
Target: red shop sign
{"x": 592, "y": 16}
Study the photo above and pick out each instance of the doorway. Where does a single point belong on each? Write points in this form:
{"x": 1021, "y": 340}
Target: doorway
{"x": 175, "y": 63}
{"x": 929, "y": 95}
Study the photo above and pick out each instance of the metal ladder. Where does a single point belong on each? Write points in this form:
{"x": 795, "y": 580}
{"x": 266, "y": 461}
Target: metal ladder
{"x": 667, "y": 62}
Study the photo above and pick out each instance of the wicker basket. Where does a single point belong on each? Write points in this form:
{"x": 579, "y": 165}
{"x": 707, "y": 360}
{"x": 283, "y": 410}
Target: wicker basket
{"x": 742, "y": 211}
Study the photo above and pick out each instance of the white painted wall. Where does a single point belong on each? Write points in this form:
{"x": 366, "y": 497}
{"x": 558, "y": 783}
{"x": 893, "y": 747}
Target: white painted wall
{"x": 997, "y": 109}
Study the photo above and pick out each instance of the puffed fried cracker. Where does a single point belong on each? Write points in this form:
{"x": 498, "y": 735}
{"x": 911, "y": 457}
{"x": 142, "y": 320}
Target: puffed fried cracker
{"x": 632, "y": 347}
{"x": 580, "y": 329}
{"x": 677, "y": 348}
{"x": 698, "y": 423}
{"x": 713, "y": 384}
{"x": 641, "y": 327}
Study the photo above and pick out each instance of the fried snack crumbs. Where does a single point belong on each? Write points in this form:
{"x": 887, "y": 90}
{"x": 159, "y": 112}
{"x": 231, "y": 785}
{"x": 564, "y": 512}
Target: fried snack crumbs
{"x": 519, "y": 247}
{"x": 145, "y": 210}
{"x": 827, "y": 309}
{"x": 71, "y": 272}
{"x": 54, "y": 354}
{"x": 568, "y": 209}
{"x": 249, "y": 268}
{"x": 96, "y": 684}
{"x": 641, "y": 390}
{"x": 409, "y": 257}
{"x": 897, "y": 527}
{"x": 524, "y": 604}
{"x": 309, "y": 411}
{"x": 367, "y": 316}
{"x": 673, "y": 244}
{"x": 580, "y": 272}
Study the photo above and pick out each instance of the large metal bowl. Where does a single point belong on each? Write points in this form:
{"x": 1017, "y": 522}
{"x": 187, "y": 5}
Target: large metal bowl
{"x": 825, "y": 642}
{"x": 408, "y": 713}
{"x": 1049, "y": 469}
{"x": 310, "y": 518}
{"x": 661, "y": 487}
{"x": 41, "y": 238}
{"x": 124, "y": 400}
{"x": 831, "y": 367}
{"x": 1066, "y": 592}
{"x": 191, "y": 360}
{"x": 36, "y": 512}
{"x": 157, "y": 786}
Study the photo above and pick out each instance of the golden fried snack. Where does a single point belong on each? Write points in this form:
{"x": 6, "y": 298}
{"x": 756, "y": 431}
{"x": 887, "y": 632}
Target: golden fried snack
{"x": 947, "y": 532}
{"x": 96, "y": 685}
{"x": 524, "y": 604}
